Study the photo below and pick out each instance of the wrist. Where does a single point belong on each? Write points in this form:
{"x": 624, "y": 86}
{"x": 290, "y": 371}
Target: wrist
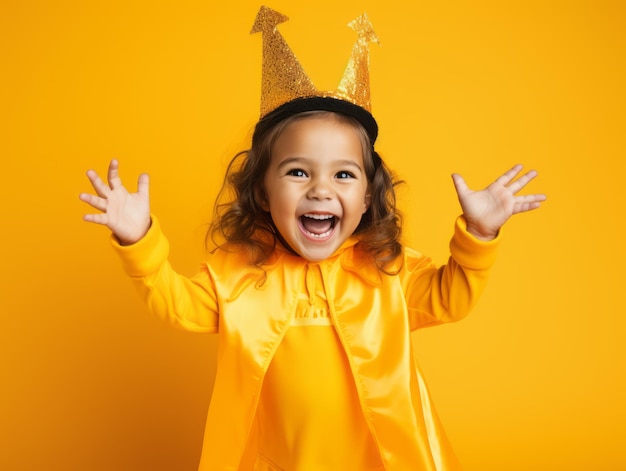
{"x": 483, "y": 235}
{"x": 133, "y": 238}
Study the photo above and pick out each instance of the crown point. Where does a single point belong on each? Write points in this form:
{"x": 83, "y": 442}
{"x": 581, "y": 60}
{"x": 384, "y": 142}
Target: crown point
{"x": 364, "y": 29}
{"x": 355, "y": 82}
{"x": 283, "y": 78}
{"x": 267, "y": 20}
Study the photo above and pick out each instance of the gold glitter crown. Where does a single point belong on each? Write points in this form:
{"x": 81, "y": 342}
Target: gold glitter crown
{"x": 284, "y": 79}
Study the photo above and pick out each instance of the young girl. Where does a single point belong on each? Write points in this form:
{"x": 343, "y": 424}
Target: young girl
{"x": 313, "y": 296}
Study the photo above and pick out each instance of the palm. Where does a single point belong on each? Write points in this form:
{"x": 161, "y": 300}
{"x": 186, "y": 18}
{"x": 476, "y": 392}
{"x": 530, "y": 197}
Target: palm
{"x": 487, "y": 210}
{"x": 126, "y": 214}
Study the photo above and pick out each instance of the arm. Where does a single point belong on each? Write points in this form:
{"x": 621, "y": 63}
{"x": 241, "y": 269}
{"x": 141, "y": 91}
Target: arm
{"x": 436, "y": 295}
{"x": 137, "y": 238}
{"x": 189, "y": 303}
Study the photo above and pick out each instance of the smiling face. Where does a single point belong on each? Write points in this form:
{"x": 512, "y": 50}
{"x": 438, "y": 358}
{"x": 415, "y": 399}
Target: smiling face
{"x": 315, "y": 186}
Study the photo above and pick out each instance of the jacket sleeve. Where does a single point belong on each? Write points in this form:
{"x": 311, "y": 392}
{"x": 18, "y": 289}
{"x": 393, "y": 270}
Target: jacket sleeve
{"x": 435, "y": 295}
{"x": 189, "y": 303}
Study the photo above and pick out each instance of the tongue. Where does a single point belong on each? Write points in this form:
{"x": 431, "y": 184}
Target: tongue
{"x": 317, "y": 226}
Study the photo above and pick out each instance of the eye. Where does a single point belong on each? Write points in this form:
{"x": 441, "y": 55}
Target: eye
{"x": 344, "y": 174}
{"x": 297, "y": 172}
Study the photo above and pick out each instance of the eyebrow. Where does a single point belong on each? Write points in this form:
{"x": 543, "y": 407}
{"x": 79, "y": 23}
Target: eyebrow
{"x": 303, "y": 160}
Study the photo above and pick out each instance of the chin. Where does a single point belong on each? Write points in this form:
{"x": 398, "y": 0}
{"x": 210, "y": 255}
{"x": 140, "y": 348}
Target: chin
{"x": 317, "y": 254}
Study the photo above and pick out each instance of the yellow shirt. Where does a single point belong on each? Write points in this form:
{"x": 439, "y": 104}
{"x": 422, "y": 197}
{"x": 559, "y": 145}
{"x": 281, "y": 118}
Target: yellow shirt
{"x": 310, "y": 416}
{"x": 252, "y": 310}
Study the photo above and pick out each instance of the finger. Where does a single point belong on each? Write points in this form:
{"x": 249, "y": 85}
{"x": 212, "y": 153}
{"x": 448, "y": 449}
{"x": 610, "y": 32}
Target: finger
{"x": 509, "y": 175}
{"x": 113, "y": 175}
{"x": 96, "y": 218}
{"x": 539, "y": 197}
{"x": 143, "y": 184}
{"x": 528, "y": 202}
{"x": 459, "y": 184}
{"x": 101, "y": 188}
{"x": 522, "y": 181}
{"x": 93, "y": 200}
{"x": 524, "y": 207}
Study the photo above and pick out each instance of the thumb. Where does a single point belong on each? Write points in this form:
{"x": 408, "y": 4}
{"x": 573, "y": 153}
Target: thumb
{"x": 459, "y": 185}
{"x": 143, "y": 184}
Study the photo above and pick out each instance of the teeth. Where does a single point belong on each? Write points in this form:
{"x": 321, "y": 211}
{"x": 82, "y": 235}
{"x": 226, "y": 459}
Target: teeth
{"x": 319, "y": 236}
{"x": 319, "y": 217}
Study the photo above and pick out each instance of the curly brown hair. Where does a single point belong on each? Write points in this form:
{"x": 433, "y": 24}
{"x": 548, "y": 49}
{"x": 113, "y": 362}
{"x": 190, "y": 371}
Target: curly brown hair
{"x": 240, "y": 219}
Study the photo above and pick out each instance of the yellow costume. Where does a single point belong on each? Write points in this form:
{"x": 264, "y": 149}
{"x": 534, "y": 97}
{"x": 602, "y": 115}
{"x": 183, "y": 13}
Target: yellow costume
{"x": 364, "y": 315}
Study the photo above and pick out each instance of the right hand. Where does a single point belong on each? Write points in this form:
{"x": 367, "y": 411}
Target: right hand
{"x": 126, "y": 214}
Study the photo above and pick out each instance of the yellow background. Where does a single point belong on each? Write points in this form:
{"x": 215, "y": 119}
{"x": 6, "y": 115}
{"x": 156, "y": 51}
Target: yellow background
{"x": 532, "y": 380}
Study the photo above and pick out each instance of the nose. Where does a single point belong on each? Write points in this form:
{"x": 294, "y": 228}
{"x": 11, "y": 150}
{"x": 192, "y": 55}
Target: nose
{"x": 320, "y": 189}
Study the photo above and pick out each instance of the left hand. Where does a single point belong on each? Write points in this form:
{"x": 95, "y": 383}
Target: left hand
{"x": 487, "y": 210}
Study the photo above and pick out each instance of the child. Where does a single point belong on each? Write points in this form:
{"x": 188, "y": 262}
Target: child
{"x": 313, "y": 296}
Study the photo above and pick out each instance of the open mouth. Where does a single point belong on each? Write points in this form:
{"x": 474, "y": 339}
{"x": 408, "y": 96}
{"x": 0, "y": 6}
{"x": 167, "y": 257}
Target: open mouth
{"x": 318, "y": 226}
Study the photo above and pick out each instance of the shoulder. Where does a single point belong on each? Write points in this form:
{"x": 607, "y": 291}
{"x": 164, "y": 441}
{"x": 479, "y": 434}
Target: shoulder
{"x": 413, "y": 260}
{"x": 228, "y": 260}
{"x": 361, "y": 263}
{"x": 234, "y": 261}
{"x": 232, "y": 271}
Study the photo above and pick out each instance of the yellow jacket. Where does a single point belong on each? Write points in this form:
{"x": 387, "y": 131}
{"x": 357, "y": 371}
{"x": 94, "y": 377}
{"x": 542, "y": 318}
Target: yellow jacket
{"x": 373, "y": 314}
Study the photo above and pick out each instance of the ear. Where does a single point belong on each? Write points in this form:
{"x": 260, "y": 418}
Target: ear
{"x": 367, "y": 201}
{"x": 261, "y": 198}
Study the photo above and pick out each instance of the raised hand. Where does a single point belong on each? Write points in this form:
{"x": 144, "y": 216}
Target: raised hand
{"x": 487, "y": 210}
{"x": 126, "y": 214}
